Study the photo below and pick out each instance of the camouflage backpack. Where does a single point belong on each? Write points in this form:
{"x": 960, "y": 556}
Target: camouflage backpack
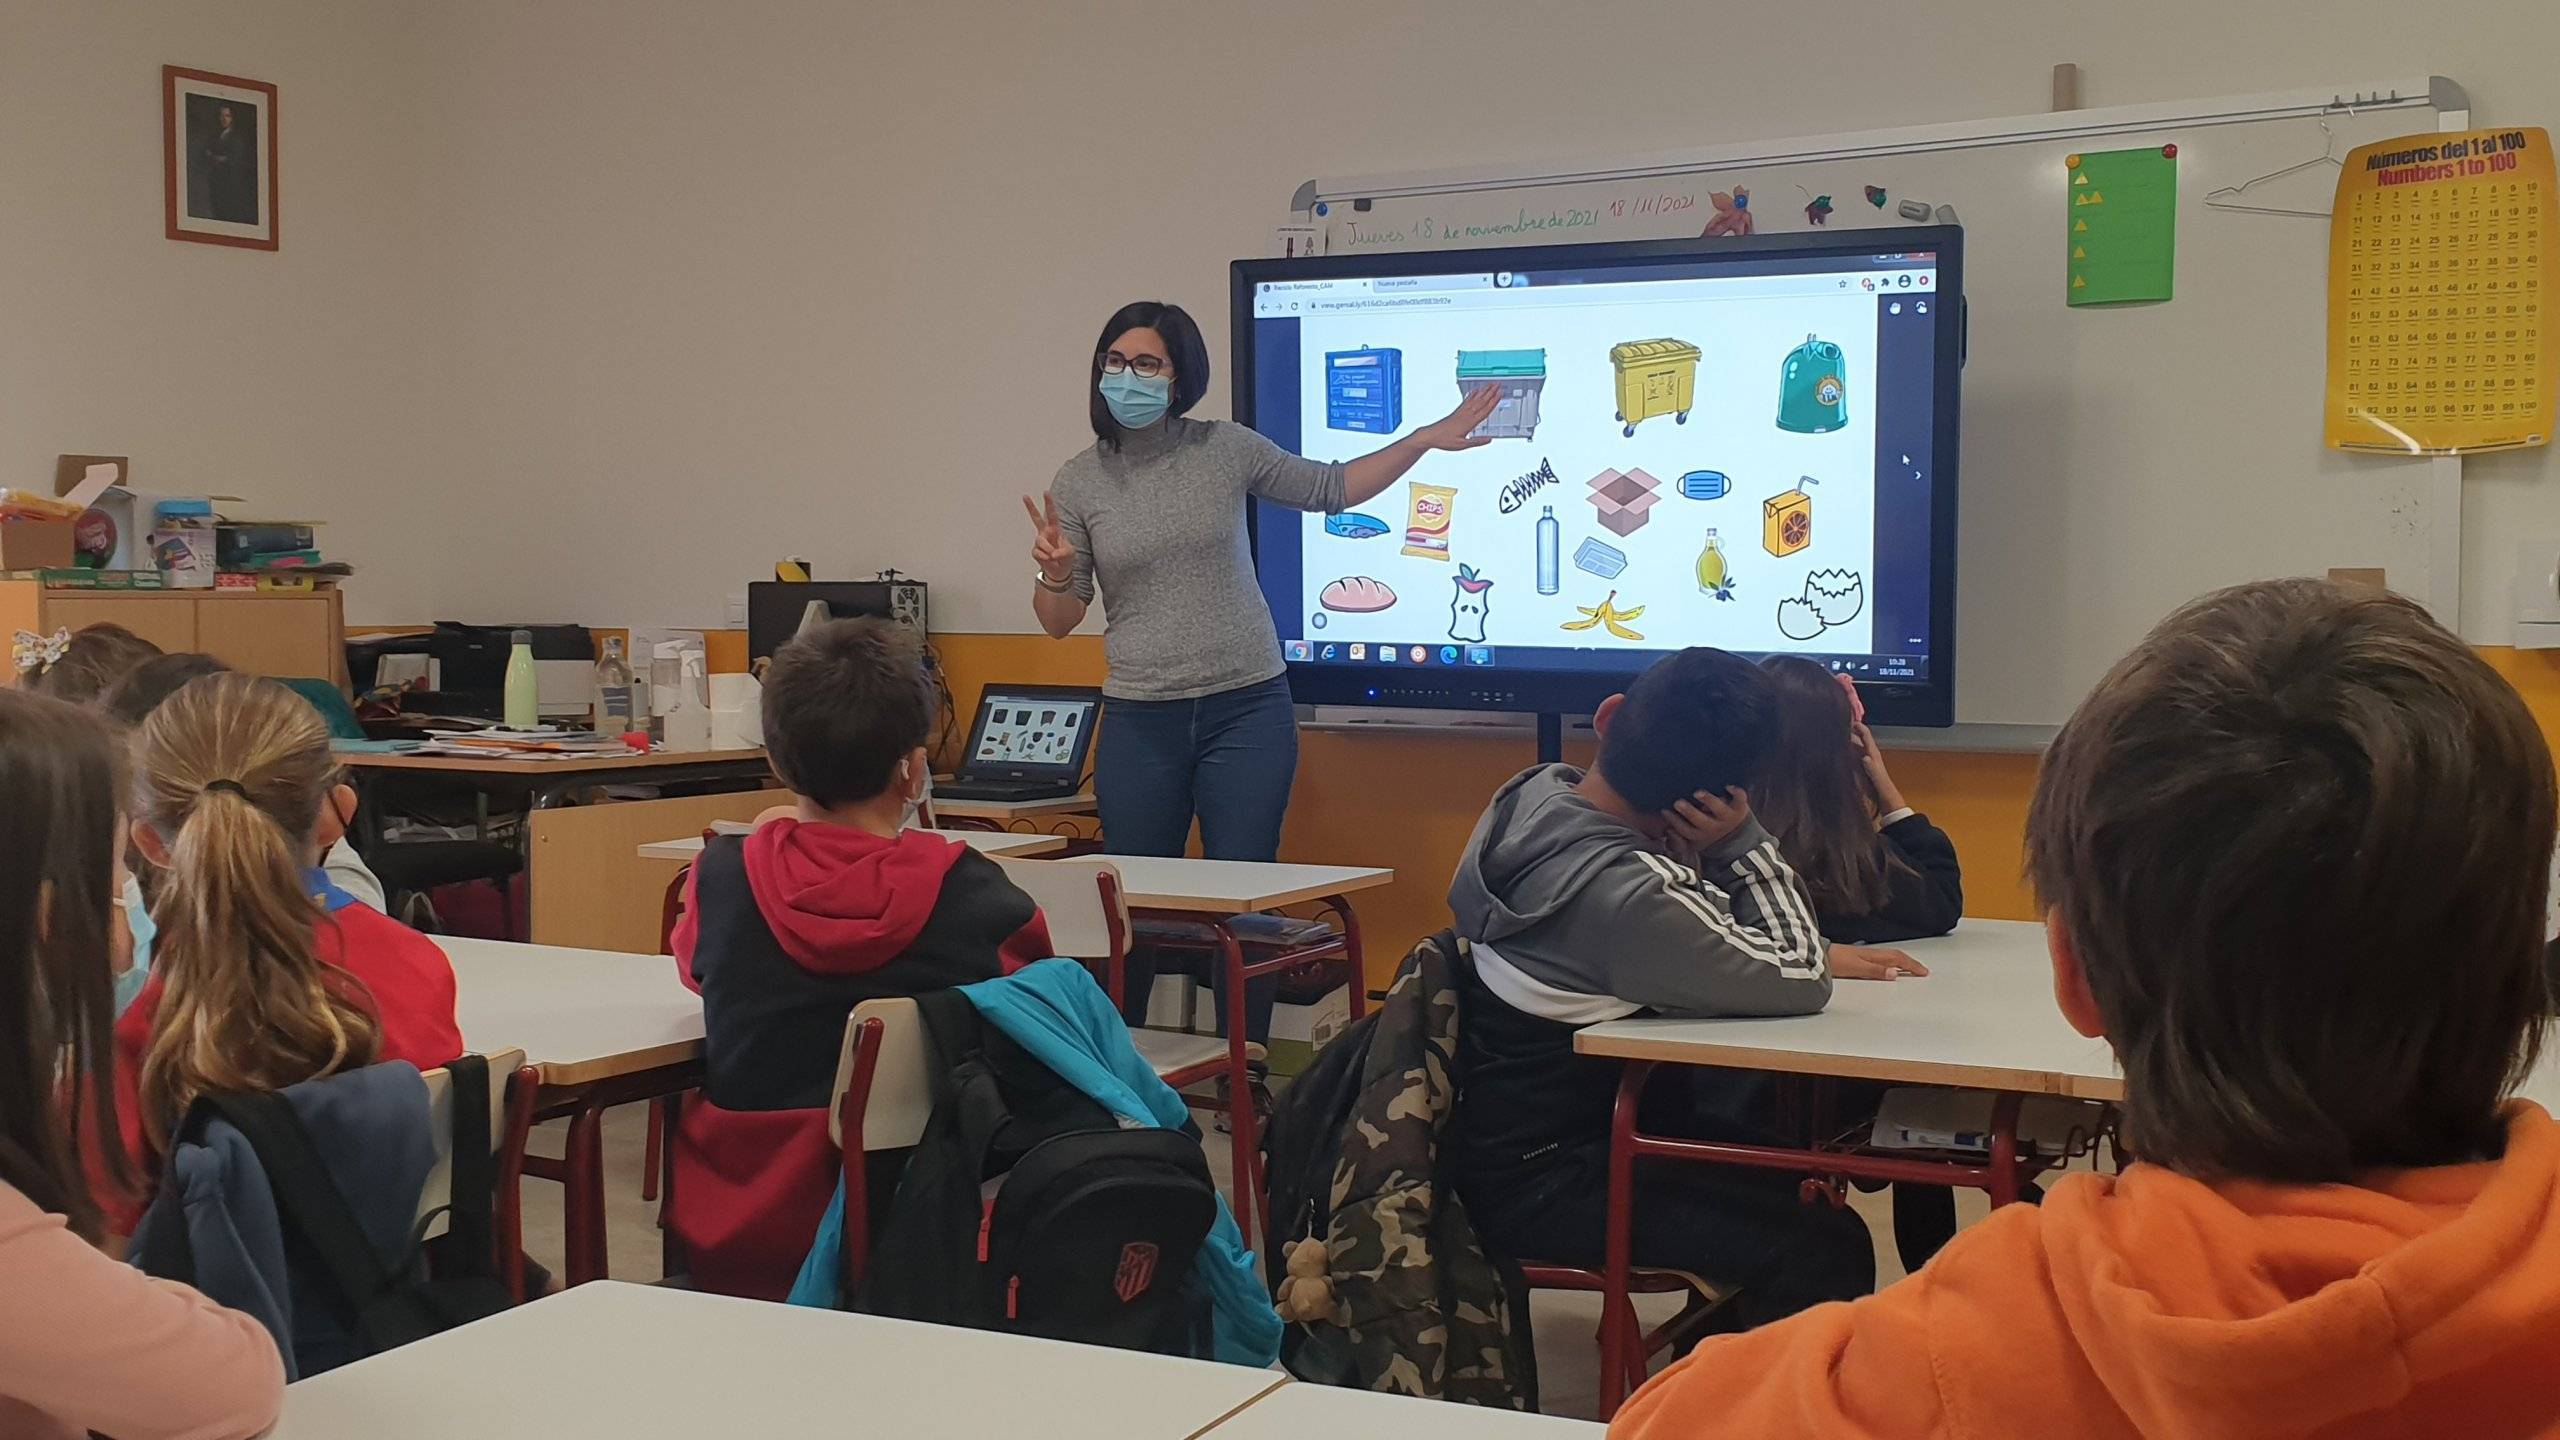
{"x": 1412, "y": 1303}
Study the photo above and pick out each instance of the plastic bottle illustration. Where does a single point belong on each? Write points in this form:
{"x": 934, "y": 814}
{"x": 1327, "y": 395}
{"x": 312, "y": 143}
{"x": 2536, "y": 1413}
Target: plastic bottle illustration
{"x": 1550, "y": 552}
{"x": 1714, "y": 577}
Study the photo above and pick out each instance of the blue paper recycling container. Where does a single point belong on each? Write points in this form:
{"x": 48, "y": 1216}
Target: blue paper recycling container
{"x": 1364, "y": 390}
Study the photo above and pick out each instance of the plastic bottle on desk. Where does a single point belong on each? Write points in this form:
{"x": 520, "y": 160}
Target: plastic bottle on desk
{"x": 615, "y": 714}
{"x": 524, "y": 691}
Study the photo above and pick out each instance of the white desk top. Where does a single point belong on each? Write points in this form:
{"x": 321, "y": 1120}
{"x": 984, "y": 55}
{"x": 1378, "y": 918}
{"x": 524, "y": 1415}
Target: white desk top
{"x": 1012, "y": 809}
{"x": 578, "y": 1014}
{"x": 1320, "y": 1412}
{"x": 596, "y": 1361}
{"x": 985, "y": 842}
{"x": 1235, "y": 887}
{"x": 1984, "y": 1018}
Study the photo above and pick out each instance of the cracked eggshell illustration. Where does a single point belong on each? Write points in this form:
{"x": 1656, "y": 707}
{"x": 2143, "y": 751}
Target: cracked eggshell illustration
{"x": 1836, "y": 595}
{"x": 1798, "y": 620}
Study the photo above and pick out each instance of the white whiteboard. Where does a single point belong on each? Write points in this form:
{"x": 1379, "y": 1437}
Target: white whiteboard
{"x": 2115, "y": 461}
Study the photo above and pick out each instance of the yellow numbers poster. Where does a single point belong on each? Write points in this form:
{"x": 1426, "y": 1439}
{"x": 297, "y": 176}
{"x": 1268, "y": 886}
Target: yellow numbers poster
{"x": 2444, "y": 261}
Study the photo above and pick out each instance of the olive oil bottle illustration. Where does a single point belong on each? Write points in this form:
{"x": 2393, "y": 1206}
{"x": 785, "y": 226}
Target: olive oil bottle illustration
{"x": 1714, "y": 576}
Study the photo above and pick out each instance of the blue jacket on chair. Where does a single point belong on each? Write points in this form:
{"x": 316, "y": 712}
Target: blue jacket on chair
{"x": 215, "y": 1217}
{"x": 1054, "y": 1011}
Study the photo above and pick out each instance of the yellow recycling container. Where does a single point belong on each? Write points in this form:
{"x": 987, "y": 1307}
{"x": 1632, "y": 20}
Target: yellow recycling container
{"x": 1655, "y": 377}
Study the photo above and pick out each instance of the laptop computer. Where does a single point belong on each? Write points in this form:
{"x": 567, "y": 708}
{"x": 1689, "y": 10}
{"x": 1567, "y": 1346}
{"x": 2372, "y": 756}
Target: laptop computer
{"x": 1029, "y": 742}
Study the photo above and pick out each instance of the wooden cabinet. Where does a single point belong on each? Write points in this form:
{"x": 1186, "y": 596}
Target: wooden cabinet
{"x": 292, "y": 635}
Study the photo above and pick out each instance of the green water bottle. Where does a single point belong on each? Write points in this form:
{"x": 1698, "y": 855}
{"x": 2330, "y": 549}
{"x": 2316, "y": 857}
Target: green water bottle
{"x": 524, "y": 693}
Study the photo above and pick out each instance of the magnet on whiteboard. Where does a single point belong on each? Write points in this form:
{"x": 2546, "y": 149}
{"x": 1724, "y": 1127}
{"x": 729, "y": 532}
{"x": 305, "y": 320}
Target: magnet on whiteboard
{"x": 1946, "y": 214}
{"x": 1912, "y": 209}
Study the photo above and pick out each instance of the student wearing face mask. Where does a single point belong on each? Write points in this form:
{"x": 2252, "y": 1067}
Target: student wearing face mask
{"x": 1197, "y": 715}
{"x": 786, "y": 929}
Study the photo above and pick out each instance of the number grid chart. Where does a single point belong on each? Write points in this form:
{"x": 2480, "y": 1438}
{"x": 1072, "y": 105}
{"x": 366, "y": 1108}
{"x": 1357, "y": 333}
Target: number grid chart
{"x": 2444, "y": 261}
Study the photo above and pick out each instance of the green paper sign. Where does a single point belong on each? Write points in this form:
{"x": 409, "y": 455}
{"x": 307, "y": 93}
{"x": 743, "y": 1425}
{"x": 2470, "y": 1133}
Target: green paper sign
{"x": 2122, "y": 232}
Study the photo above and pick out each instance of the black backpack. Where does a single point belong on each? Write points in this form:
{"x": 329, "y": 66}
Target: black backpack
{"x": 1029, "y": 1208}
{"x": 382, "y": 1305}
{"x": 1302, "y": 1141}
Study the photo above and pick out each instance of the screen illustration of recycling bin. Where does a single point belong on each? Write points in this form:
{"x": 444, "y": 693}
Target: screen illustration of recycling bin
{"x": 1731, "y": 443}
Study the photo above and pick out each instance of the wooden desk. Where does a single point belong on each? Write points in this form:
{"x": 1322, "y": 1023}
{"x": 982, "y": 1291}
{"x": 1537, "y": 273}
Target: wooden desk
{"x": 578, "y": 1015}
{"x": 1236, "y": 887}
{"x": 548, "y": 780}
{"x": 985, "y": 842}
{"x": 599, "y": 1028}
{"x": 634, "y": 1362}
{"x": 1319, "y": 1412}
{"x": 953, "y": 808}
{"x": 1983, "y": 1019}
{"x": 1204, "y": 895}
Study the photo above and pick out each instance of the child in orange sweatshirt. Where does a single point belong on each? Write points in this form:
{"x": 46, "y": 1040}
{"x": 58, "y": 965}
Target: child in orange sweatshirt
{"x": 2291, "y": 853}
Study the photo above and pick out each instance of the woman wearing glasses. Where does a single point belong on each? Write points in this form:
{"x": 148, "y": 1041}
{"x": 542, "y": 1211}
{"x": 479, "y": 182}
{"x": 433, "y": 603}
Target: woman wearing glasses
{"x": 1197, "y": 711}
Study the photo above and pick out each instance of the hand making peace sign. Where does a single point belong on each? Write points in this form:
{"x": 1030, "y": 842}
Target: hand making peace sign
{"x": 1049, "y": 548}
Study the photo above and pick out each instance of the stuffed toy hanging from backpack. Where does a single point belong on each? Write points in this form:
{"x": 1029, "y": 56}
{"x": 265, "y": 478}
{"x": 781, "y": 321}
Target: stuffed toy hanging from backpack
{"x": 1306, "y": 1292}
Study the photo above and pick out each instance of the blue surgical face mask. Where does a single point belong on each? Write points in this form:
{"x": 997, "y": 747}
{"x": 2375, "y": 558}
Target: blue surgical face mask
{"x": 1137, "y": 401}
{"x": 137, "y": 918}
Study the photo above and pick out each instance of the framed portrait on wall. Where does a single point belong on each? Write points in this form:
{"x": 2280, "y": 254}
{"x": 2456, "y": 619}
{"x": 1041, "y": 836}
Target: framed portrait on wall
{"x": 218, "y": 134}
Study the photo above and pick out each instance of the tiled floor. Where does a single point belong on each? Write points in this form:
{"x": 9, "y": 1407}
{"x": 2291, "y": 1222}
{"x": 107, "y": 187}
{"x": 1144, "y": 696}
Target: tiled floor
{"x": 1565, "y": 1323}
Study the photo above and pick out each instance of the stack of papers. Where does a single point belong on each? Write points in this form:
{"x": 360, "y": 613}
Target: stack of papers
{"x": 540, "y": 744}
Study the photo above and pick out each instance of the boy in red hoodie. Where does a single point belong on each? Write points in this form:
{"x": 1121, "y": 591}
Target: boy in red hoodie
{"x": 2291, "y": 853}
{"x": 787, "y": 929}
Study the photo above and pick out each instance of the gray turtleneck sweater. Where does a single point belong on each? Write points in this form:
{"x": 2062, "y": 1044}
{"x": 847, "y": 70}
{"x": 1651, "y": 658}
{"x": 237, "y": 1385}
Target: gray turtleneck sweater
{"x": 1160, "y": 527}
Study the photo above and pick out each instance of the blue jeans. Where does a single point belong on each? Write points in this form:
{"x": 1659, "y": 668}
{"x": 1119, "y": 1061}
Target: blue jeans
{"x": 1226, "y": 758}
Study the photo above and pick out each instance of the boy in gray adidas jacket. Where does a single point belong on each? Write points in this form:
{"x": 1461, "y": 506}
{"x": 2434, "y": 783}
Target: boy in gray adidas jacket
{"x": 1641, "y": 886}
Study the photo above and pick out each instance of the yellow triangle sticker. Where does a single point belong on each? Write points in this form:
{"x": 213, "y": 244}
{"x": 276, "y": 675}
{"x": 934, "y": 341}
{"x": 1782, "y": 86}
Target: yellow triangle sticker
{"x": 2095, "y": 198}
{"x": 2080, "y": 227}
{"x": 2080, "y": 179}
{"x": 2079, "y": 252}
{"x": 2079, "y": 282}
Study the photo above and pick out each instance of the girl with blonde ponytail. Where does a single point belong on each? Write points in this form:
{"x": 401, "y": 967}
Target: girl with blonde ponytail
{"x": 264, "y": 974}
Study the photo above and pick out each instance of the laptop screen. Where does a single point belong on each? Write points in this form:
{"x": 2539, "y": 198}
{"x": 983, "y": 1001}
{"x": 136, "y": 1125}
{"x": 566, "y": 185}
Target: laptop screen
{"x": 1031, "y": 734}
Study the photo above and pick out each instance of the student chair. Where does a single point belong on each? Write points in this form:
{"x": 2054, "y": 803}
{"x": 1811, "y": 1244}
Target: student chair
{"x": 437, "y": 1195}
{"x": 1089, "y": 921}
{"x": 653, "y": 1157}
{"x": 882, "y": 1097}
{"x": 1703, "y": 1297}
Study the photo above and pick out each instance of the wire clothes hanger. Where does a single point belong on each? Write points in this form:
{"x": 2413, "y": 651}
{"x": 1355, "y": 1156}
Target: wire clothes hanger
{"x": 2228, "y": 197}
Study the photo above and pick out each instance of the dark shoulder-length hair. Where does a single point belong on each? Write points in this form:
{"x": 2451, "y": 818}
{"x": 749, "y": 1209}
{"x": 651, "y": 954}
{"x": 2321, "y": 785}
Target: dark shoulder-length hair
{"x": 1182, "y": 345}
{"x": 1814, "y": 797}
{"x": 61, "y": 780}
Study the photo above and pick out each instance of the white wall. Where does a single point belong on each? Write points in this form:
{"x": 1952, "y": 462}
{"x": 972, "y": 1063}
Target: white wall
{"x": 699, "y": 285}
{"x": 294, "y": 379}
{"x": 763, "y": 278}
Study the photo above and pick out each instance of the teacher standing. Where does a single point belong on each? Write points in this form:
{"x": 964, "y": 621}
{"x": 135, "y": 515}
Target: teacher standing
{"x": 1198, "y": 721}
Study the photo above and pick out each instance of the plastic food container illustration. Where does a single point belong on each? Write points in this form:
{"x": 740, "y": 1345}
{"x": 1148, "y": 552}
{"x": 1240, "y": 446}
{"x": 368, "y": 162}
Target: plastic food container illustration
{"x": 1364, "y": 390}
{"x": 1786, "y": 522}
{"x": 1521, "y": 374}
{"x": 1655, "y": 377}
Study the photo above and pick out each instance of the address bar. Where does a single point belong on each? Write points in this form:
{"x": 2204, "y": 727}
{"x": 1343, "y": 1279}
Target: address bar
{"x": 1650, "y": 292}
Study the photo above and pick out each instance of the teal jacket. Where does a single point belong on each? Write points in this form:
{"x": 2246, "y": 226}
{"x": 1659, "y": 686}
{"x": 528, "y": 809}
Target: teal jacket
{"x": 1056, "y": 1012}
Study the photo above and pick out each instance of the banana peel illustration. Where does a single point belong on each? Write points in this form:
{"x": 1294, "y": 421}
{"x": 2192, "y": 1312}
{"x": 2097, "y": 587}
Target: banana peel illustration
{"x": 1607, "y": 613}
